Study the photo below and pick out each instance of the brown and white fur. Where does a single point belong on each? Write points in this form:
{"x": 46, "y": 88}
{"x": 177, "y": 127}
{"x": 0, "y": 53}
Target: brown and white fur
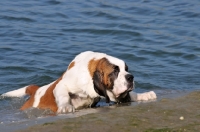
{"x": 89, "y": 77}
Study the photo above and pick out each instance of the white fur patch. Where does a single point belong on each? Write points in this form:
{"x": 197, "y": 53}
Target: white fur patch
{"x": 16, "y": 93}
{"x": 146, "y": 96}
{"x": 120, "y": 84}
{"x": 39, "y": 93}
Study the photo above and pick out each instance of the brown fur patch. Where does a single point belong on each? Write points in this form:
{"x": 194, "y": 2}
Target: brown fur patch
{"x": 30, "y": 90}
{"x": 92, "y": 66}
{"x": 103, "y": 66}
{"x": 71, "y": 65}
{"x": 48, "y": 101}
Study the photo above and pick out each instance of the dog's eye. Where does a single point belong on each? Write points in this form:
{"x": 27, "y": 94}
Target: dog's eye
{"x": 116, "y": 69}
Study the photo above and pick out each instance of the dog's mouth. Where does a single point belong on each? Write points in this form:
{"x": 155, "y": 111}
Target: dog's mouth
{"x": 123, "y": 95}
{"x": 130, "y": 87}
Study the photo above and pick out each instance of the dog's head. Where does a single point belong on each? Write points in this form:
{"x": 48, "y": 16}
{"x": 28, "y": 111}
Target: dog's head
{"x": 111, "y": 78}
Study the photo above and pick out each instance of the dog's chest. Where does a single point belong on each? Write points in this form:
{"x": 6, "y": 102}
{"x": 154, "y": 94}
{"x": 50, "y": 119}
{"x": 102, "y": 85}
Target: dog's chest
{"x": 80, "y": 102}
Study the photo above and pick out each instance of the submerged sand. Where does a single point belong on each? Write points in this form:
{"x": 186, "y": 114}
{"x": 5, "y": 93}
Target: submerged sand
{"x": 166, "y": 115}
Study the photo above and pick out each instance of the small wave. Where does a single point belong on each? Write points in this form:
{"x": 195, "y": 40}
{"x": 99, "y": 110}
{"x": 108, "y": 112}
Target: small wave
{"x": 103, "y": 31}
{"x": 12, "y": 18}
{"x": 53, "y": 2}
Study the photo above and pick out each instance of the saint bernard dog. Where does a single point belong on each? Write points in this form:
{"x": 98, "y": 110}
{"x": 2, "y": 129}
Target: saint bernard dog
{"x": 89, "y": 77}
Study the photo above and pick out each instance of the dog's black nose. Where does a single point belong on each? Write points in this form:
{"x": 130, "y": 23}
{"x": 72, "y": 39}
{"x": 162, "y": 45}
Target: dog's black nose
{"x": 129, "y": 77}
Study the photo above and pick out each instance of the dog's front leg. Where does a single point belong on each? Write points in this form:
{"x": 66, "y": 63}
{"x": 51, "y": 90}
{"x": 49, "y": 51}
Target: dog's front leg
{"x": 63, "y": 99}
{"x": 142, "y": 96}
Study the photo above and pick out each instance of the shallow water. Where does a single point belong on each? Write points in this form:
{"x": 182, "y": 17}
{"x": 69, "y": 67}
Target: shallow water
{"x": 159, "y": 40}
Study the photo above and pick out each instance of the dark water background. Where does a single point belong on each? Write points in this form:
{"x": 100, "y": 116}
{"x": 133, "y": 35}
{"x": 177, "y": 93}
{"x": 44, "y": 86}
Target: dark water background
{"x": 159, "y": 40}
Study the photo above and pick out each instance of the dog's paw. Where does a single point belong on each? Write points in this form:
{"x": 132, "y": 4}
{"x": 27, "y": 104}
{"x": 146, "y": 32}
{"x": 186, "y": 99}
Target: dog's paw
{"x": 65, "y": 109}
{"x": 146, "y": 96}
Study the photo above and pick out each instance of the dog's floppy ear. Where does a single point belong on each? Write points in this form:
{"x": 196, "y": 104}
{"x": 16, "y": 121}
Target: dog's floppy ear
{"x": 99, "y": 86}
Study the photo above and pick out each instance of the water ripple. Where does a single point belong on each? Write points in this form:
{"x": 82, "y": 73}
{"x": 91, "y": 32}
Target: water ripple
{"x": 12, "y": 18}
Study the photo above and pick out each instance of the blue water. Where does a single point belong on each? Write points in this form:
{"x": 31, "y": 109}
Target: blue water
{"x": 159, "y": 40}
